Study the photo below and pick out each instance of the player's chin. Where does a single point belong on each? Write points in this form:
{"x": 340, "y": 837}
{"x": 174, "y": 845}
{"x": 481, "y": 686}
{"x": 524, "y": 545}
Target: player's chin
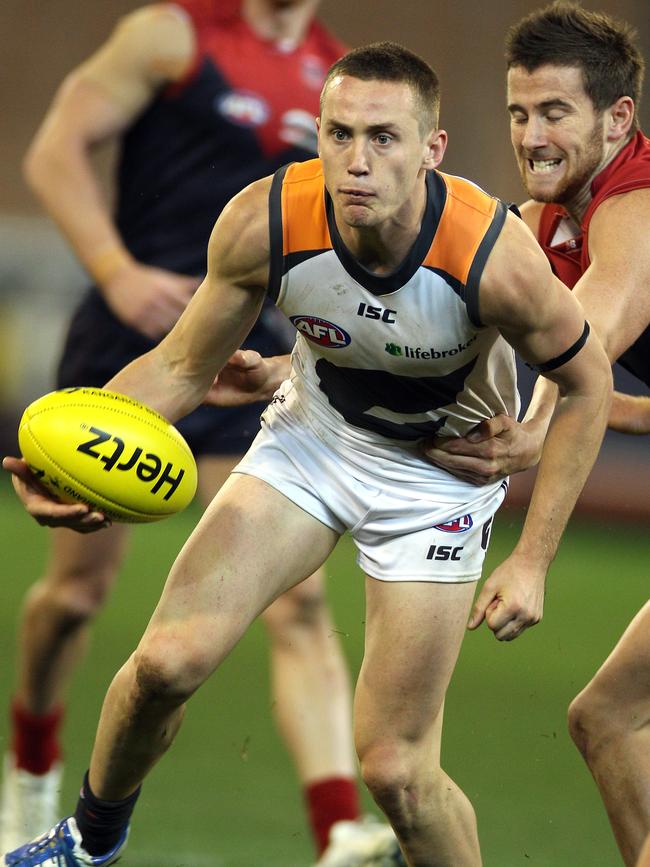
{"x": 359, "y": 216}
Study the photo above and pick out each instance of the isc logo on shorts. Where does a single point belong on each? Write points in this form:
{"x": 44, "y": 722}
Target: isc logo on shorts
{"x": 458, "y": 525}
{"x": 321, "y": 331}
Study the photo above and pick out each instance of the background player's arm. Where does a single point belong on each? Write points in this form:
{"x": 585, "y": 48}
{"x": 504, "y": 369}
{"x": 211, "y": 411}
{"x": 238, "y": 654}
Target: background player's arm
{"x": 542, "y": 319}
{"x": 175, "y": 376}
{"x": 96, "y": 103}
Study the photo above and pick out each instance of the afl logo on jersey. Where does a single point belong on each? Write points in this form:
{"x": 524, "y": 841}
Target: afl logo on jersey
{"x": 242, "y": 107}
{"x": 321, "y": 332}
{"x": 458, "y": 525}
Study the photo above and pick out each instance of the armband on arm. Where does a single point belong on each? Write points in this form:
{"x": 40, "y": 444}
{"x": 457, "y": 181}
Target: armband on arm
{"x": 559, "y": 360}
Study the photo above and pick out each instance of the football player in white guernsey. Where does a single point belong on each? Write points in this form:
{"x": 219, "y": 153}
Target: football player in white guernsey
{"x": 340, "y": 450}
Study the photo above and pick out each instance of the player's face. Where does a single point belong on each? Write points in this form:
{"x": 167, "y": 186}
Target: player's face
{"x": 373, "y": 152}
{"x": 556, "y": 133}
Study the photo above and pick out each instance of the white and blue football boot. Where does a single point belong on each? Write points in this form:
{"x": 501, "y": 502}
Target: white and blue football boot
{"x": 61, "y": 847}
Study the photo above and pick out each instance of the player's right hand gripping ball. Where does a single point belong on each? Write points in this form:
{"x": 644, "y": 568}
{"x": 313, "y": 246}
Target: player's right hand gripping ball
{"x": 88, "y": 445}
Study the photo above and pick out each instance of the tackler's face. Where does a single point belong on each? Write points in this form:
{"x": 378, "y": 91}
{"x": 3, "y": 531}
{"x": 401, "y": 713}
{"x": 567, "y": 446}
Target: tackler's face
{"x": 372, "y": 149}
{"x": 557, "y": 134}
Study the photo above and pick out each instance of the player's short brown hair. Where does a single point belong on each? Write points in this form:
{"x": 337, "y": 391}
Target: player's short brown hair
{"x": 389, "y": 61}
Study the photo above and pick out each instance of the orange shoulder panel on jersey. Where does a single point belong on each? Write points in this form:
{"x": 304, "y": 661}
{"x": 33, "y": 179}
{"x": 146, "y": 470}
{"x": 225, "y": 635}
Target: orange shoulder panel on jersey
{"x": 467, "y": 216}
{"x": 304, "y": 222}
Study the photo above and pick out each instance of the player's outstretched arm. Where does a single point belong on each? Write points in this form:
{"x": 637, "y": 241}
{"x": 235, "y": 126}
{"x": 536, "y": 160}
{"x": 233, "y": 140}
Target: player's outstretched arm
{"x": 545, "y": 323}
{"x": 630, "y": 414}
{"x": 175, "y": 376}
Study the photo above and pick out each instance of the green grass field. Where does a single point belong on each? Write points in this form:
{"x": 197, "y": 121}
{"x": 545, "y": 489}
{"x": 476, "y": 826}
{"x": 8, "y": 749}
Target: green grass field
{"x": 226, "y": 794}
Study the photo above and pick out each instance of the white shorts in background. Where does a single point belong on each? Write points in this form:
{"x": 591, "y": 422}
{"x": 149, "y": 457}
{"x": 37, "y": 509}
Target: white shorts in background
{"x": 403, "y": 531}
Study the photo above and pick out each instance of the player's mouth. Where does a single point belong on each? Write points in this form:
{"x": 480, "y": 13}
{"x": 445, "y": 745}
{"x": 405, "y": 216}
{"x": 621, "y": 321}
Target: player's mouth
{"x": 355, "y": 196}
{"x": 543, "y": 167}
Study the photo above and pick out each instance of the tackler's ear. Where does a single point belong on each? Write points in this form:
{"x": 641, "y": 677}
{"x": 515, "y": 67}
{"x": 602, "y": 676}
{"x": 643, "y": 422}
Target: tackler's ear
{"x": 619, "y": 118}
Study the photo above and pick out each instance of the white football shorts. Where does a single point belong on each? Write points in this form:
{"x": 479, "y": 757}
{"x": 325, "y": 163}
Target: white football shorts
{"x": 410, "y": 521}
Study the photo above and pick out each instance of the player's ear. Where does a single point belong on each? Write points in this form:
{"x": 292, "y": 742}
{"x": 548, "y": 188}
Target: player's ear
{"x": 619, "y": 118}
{"x": 317, "y": 119}
{"x": 435, "y": 145}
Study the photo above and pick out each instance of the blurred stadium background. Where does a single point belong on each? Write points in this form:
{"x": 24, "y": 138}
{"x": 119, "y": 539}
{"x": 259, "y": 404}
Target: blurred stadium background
{"x": 226, "y": 796}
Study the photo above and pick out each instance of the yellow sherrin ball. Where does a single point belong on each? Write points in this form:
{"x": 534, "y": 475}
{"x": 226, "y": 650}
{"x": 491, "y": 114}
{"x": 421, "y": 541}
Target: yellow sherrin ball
{"x": 88, "y": 445}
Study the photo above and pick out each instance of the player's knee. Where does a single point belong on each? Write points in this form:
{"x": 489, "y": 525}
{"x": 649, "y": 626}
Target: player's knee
{"x": 388, "y": 771}
{"x": 72, "y": 599}
{"x": 169, "y": 670}
{"x": 592, "y": 720}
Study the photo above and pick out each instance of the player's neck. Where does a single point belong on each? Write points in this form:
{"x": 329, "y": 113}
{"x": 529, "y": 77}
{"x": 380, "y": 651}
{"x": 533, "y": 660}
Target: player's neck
{"x": 284, "y": 23}
{"x": 577, "y": 207}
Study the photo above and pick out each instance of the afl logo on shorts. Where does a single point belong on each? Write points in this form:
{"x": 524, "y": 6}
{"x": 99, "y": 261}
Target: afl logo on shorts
{"x": 243, "y": 108}
{"x": 458, "y": 525}
{"x": 321, "y": 332}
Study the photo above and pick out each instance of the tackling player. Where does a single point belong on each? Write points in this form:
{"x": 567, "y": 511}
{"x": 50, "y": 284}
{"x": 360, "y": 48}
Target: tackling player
{"x": 574, "y": 83}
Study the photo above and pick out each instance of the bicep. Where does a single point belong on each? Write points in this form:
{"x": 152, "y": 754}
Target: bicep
{"x": 520, "y": 295}
{"x": 227, "y": 303}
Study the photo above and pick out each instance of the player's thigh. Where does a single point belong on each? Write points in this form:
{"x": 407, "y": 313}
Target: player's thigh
{"x": 251, "y": 544}
{"x": 213, "y": 470}
{"x": 88, "y": 560}
{"x": 624, "y": 678}
{"x": 413, "y": 635}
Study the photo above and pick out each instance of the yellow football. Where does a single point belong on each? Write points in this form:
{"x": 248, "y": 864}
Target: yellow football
{"x": 88, "y": 445}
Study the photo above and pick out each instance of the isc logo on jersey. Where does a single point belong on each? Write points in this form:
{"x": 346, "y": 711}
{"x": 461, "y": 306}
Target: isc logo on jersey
{"x": 321, "y": 332}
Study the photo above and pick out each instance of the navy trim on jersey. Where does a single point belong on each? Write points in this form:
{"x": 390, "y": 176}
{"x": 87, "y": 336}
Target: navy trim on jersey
{"x": 276, "y": 237}
{"x": 383, "y": 284}
{"x": 294, "y": 259}
{"x": 477, "y": 266}
{"x": 457, "y": 285}
{"x": 559, "y": 360}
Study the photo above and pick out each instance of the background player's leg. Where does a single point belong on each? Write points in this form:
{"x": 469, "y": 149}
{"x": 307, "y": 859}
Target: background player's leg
{"x": 53, "y": 632}
{"x": 610, "y": 724}
{"x": 310, "y": 688}
{"x": 413, "y": 635}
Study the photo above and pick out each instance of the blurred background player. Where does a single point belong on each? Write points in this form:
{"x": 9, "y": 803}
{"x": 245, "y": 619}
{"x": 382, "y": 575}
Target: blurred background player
{"x": 204, "y": 97}
{"x": 574, "y": 84}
